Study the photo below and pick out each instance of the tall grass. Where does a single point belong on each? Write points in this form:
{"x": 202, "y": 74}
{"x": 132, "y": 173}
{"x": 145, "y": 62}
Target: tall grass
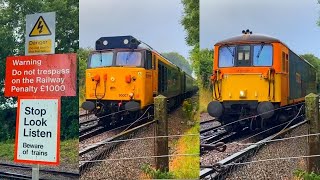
{"x": 187, "y": 167}
{"x": 204, "y": 99}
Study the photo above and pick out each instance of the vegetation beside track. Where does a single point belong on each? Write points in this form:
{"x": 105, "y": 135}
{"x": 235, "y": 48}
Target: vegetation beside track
{"x": 68, "y": 149}
{"x": 184, "y": 167}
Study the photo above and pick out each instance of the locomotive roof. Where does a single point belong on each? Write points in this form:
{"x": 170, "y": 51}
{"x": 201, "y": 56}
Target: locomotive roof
{"x": 249, "y": 38}
{"x": 255, "y": 38}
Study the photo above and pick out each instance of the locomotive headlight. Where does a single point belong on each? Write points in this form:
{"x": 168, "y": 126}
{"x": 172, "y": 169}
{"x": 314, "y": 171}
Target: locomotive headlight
{"x": 131, "y": 95}
{"x": 243, "y": 93}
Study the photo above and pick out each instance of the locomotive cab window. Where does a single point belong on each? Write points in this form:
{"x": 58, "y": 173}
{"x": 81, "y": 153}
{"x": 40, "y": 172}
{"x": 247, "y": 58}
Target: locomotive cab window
{"x": 100, "y": 59}
{"x": 262, "y": 55}
{"x": 226, "y": 56}
{"x": 131, "y": 58}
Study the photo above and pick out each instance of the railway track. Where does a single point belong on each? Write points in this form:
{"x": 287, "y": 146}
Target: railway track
{"x": 102, "y": 149}
{"x": 220, "y": 169}
{"x": 12, "y": 175}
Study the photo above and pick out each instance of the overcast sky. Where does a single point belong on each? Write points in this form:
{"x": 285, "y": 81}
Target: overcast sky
{"x": 155, "y": 22}
{"x": 293, "y": 22}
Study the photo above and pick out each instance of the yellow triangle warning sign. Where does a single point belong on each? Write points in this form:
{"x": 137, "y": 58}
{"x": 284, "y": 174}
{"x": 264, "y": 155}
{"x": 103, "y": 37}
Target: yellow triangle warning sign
{"x": 40, "y": 28}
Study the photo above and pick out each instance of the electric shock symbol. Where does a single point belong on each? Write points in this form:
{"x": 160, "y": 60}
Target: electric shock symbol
{"x": 40, "y": 28}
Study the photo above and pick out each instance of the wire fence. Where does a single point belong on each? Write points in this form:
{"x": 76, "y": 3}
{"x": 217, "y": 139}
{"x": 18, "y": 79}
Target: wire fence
{"x": 126, "y": 155}
{"x": 279, "y": 158}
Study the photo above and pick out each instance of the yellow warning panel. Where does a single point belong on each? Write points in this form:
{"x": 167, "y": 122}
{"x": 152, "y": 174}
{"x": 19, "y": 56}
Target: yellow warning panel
{"x": 40, "y": 28}
{"x": 40, "y": 46}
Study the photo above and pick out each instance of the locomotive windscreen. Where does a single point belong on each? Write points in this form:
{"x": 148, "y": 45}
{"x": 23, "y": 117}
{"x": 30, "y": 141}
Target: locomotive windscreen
{"x": 116, "y": 58}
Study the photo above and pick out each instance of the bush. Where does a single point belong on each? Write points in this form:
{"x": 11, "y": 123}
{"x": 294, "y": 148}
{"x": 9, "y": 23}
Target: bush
{"x": 189, "y": 108}
{"x": 303, "y": 175}
{"x": 156, "y": 174}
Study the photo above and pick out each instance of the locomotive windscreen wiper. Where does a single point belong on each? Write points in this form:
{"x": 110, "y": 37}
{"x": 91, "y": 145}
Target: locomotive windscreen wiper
{"x": 259, "y": 52}
{"x": 230, "y": 50}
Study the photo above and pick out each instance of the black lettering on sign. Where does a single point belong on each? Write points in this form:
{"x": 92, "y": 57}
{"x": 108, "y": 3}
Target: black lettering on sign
{"x": 32, "y": 111}
{"x": 36, "y": 133}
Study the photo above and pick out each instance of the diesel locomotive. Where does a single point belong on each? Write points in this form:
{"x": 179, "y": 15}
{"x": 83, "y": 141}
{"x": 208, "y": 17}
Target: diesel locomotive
{"x": 124, "y": 75}
{"x": 258, "y": 76}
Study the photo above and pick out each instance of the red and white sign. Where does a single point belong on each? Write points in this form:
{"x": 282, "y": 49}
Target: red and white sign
{"x": 38, "y": 131}
{"x": 41, "y": 75}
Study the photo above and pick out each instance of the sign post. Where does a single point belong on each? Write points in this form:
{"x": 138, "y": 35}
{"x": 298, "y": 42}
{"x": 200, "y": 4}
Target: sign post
{"x": 40, "y": 33}
{"x": 39, "y": 81}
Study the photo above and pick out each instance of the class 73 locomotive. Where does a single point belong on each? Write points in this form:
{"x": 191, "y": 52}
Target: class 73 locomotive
{"x": 254, "y": 75}
{"x": 124, "y": 75}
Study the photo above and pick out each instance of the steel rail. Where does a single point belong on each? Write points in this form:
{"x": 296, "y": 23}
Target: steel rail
{"x": 103, "y": 153}
{"x": 209, "y": 172}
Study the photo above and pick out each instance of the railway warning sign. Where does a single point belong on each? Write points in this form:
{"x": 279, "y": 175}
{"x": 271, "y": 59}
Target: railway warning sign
{"x": 40, "y": 33}
{"x": 41, "y": 75}
{"x": 40, "y": 28}
{"x": 38, "y": 131}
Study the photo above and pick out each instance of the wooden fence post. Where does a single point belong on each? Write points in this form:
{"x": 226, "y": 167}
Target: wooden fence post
{"x": 312, "y": 114}
{"x": 160, "y": 114}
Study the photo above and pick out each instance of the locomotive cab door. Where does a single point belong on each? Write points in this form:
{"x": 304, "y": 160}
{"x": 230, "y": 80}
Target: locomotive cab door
{"x": 154, "y": 75}
{"x": 149, "y": 77}
{"x": 243, "y": 56}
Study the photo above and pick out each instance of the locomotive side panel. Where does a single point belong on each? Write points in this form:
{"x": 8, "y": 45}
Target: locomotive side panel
{"x": 301, "y": 78}
{"x": 169, "y": 83}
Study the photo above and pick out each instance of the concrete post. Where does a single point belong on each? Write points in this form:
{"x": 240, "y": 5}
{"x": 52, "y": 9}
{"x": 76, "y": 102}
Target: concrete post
{"x": 160, "y": 114}
{"x": 312, "y": 114}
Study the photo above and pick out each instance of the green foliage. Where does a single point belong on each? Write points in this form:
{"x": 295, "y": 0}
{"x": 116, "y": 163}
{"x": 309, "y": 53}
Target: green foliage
{"x": 8, "y": 121}
{"x": 203, "y": 65}
{"x": 178, "y": 60}
{"x": 301, "y": 174}
{"x": 12, "y": 32}
{"x": 189, "y": 108}
{"x": 7, "y": 149}
{"x": 315, "y": 61}
{"x": 83, "y": 55}
{"x": 156, "y": 174}
{"x": 190, "y": 21}
{"x": 319, "y": 19}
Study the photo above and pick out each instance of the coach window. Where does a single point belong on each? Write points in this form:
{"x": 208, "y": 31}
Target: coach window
{"x": 262, "y": 55}
{"x": 226, "y": 56}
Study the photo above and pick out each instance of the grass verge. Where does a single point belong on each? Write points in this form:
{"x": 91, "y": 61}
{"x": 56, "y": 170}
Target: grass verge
{"x": 69, "y": 152}
{"x": 204, "y": 99}
{"x": 186, "y": 167}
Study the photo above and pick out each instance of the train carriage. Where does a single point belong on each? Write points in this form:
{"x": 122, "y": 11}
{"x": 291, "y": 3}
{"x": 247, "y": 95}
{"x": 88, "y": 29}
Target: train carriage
{"x": 254, "y": 75}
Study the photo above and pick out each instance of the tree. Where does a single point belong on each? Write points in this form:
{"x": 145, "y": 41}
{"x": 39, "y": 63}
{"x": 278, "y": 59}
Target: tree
{"x": 179, "y": 61}
{"x": 83, "y": 55}
{"x": 12, "y": 32}
{"x": 315, "y": 61}
{"x": 203, "y": 65}
{"x": 190, "y": 21}
{"x": 319, "y": 19}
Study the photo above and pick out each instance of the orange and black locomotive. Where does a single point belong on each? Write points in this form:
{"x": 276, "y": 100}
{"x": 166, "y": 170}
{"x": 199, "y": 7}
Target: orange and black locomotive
{"x": 255, "y": 75}
{"x": 124, "y": 75}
